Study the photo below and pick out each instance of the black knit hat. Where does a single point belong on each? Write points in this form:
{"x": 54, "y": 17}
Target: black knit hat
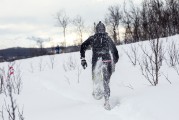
{"x": 100, "y": 28}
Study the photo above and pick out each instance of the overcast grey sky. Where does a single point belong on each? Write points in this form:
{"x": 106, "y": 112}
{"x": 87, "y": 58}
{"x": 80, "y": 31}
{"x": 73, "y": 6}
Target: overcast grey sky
{"x": 20, "y": 19}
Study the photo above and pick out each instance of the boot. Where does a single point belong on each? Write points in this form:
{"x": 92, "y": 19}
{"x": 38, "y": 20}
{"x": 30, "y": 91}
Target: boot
{"x": 107, "y": 105}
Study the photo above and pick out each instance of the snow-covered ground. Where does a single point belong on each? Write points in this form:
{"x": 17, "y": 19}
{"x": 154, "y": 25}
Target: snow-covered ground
{"x": 65, "y": 93}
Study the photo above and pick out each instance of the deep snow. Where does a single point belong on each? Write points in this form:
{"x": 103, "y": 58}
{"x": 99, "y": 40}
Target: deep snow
{"x": 64, "y": 94}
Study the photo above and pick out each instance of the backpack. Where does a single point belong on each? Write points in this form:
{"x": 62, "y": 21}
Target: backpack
{"x": 101, "y": 44}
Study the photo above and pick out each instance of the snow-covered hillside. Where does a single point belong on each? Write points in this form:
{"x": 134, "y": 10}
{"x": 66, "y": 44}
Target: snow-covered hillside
{"x": 64, "y": 92}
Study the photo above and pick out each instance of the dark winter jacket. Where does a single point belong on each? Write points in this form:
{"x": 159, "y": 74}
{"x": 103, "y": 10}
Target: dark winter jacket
{"x": 102, "y": 45}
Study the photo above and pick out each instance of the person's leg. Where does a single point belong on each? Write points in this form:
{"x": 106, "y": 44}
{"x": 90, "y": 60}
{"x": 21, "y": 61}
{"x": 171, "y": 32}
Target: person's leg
{"x": 96, "y": 67}
{"x": 93, "y": 69}
{"x": 97, "y": 78}
{"x": 107, "y": 72}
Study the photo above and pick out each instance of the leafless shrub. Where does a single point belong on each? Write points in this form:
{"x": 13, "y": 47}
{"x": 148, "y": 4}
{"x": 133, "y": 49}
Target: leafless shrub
{"x": 173, "y": 55}
{"x": 31, "y": 67}
{"x": 166, "y": 77}
{"x": 2, "y": 72}
{"x": 20, "y": 114}
{"x": 130, "y": 86}
{"x": 1, "y": 84}
{"x": 40, "y": 64}
{"x": 173, "y": 60}
{"x": 176, "y": 67}
{"x": 147, "y": 72}
{"x": 64, "y": 67}
{"x": 52, "y": 60}
{"x": 132, "y": 54}
{"x": 70, "y": 64}
{"x": 18, "y": 79}
{"x": 151, "y": 62}
{"x": 78, "y": 73}
{"x": 12, "y": 85}
{"x": 2, "y": 114}
{"x": 67, "y": 79}
{"x": 10, "y": 110}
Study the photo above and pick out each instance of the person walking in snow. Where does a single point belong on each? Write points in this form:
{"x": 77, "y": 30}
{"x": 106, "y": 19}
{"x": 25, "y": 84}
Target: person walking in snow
{"x": 104, "y": 57}
{"x": 57, "y": 49}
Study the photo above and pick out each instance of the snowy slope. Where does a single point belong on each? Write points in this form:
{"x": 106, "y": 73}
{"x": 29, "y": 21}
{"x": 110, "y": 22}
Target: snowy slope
{"x": 64, "y": 93}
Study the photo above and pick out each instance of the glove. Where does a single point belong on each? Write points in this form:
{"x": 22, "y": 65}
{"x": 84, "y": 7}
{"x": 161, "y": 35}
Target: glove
{"x": 84, "y": 63}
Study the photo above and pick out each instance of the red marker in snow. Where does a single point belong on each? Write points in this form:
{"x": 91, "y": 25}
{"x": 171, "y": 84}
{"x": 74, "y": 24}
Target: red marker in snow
{"x": 11, "y": 70}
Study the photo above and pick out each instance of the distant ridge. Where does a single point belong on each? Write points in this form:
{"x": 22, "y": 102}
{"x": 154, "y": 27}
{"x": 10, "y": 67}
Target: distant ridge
{"x": 11, "y": 54}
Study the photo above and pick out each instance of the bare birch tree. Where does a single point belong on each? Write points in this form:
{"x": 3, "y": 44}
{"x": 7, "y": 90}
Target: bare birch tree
{"x": 79, "y": 24}
{"x": 112, "y": 20}
{"x": 63, "y": 21}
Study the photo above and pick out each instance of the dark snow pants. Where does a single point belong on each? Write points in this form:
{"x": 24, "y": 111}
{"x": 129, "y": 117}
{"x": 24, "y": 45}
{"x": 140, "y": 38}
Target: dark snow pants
{"x": 106, "y": 73}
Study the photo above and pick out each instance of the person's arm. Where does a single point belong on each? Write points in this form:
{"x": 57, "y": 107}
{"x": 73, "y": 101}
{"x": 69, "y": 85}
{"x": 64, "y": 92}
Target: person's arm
{"x": 85, "y": 45}
{"x": 114, "y": 51}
